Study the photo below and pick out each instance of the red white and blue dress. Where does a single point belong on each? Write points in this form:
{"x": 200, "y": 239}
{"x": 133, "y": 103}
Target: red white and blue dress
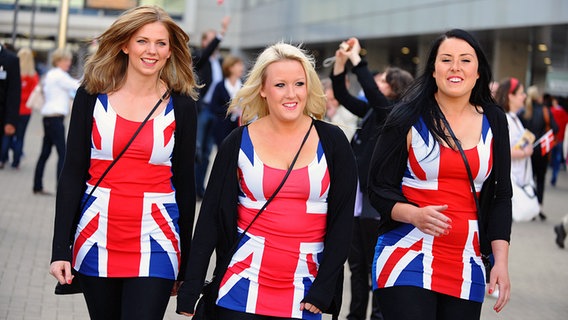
{"x": 129, "y": 227}
{"x": 277, "y": 260}
{"x": 449, "y": 264}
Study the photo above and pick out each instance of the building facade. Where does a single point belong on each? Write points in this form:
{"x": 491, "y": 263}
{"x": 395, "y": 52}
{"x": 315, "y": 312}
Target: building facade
{"x": 526, "y": 39}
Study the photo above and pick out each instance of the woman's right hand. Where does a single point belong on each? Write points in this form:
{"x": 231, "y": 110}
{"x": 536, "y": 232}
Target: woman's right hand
{"x": 61, "y": 270}
{"x": 432, "y": 221}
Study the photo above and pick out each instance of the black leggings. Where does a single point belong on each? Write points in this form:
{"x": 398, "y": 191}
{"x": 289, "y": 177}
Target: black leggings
{"x": 413, "y": 303}
{"x": 126, "y": 298}
{"x": 227, "y": 314}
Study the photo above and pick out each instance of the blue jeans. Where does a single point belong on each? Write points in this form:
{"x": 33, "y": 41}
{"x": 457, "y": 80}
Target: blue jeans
{"x": 15, "y": 142}
{"x": 53, "y": 135}
{"x": 556, "y": 160}
{"x": 205, "y": 139}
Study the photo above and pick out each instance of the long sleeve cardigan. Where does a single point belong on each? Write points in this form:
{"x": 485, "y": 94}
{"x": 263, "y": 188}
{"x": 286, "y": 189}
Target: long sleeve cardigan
{"x": 217, "y": 223}
{"x": 72, "y": 182}
{"x": 373, "y": 114}
{"x": 389, "y": 164}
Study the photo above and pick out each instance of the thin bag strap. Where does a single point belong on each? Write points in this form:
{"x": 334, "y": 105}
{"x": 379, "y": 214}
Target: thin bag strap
{"x": 233, "y": 248}
{"x": 164, "y": 96}
{"x": 468, "y": 168}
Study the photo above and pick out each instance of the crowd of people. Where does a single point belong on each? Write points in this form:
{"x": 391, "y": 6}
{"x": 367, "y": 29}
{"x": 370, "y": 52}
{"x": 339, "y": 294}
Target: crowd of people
{"x": 406, "y": 181}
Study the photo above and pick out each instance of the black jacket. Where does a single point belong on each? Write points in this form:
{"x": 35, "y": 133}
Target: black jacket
{"x": 373, "y": 114}
{"x": 10, "y": 88}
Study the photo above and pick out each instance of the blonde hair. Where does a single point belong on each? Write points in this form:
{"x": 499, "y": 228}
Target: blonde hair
{"x": 228, "y": 62}
{"x": 248, "y": 97}
{"x": 533, "y": 96}
{"x": 105, "y": 70}
{"x": 60, "y": 54}
{"x": 27, "y": 63}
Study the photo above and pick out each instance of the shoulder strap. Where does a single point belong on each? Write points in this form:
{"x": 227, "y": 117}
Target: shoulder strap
{"x": 467, "y": 167}
{"x": 275, "y": 191}
{"x": 164, "y": 96}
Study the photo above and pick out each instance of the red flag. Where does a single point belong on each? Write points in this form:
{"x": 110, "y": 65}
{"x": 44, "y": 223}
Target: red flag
{"x": 546, "y": 142}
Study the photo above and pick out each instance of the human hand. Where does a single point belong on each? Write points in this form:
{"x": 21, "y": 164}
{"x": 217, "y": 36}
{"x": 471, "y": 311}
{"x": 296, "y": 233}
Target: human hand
{"x": 354, "y": 51}
{"x": 310, "y": 307}
{"x": 432, "y": 221}
{"x": 528, "y": 150}
{"x": 186, "y": 314}
{"x": 61, "y": 270}
{"x": 9, "y": 129}
{"x": 499, "y": 280}
{"x": 340, "y": 61}
{"x": 225, "y": 24}
{"x": 354, "y": 46}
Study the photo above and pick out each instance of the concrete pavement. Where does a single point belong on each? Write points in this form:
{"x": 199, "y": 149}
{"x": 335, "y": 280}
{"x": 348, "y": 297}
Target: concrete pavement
{"x": 538, "y": 268}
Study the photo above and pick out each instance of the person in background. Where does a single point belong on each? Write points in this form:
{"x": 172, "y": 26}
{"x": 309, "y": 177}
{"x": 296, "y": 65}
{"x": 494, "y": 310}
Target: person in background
{"x": 129, "y": 240}
{"x": 539, "y": 120}
{"x": 560, "y": 231}
{"x": 10, "y": 94}
{"x": 511, "y": 96}
{"x": 233, "y": 70}
{"x": 208, "y": 62}
{"x": 338, "y": 114}
{"x": 560, "y": 116}
{"x": 430, "y": 225}
{"x": 58, "y": 88}
{"x": 29, "y": 79}
{"x": 290, "y": 261}
{"x": 380, "y": 96}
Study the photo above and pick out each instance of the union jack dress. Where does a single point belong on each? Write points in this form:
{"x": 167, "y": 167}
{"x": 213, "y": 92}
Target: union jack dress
{"x": 449, "y": 264}
{"x": 129, "y": 227}
{"x": 277, "y": 260}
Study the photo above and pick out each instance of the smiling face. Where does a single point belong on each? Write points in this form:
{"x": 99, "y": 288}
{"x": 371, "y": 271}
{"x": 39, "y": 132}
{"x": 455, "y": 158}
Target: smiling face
{"x": 455, "y": 68}
{"x": 285, "y": 89}
{"x": 148, "y": 49}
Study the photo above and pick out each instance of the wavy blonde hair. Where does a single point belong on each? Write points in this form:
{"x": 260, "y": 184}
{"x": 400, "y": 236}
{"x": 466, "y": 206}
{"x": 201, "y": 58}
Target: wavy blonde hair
{"x": 248, "y": 97}
{"x": 105, "y": 70}
{"x": 27, "y": 63}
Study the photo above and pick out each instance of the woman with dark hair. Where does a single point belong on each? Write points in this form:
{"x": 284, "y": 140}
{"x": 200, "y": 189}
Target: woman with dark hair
{"x": 434, "y": 237}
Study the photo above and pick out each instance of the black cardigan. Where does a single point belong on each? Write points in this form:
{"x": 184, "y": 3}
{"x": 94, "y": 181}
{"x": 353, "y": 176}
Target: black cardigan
{"x": 72, "y": 182}
{"x": 390, "y": 160}
{"x": 217, "y": 223}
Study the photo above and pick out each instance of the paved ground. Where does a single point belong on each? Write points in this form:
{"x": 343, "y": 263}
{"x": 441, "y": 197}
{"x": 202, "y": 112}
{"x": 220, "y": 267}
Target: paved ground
{"x": 539, "y": 270}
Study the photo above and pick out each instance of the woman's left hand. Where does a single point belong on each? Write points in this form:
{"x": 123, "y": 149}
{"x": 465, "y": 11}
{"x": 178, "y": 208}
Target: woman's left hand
{"x": 499, "y": 280}
{"x": 310, "y": 307}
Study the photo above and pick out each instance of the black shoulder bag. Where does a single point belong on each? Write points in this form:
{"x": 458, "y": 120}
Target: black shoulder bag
{"x": 75, "y": 287}
{"x": 205, "y": 308}
{"x": 484, "y": 257}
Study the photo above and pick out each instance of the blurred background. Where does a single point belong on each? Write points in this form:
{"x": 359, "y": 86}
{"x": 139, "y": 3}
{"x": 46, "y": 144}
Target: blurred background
{"x": 526, "y": 39}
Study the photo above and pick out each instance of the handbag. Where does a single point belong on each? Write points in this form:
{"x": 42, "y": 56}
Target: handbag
{"x": 486, "y": 258}
{"x": 36, "y": 99}
{"x": 75, "y": 286}
{"x": 524, "y": 200}
{"x": 205, "y": 308}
